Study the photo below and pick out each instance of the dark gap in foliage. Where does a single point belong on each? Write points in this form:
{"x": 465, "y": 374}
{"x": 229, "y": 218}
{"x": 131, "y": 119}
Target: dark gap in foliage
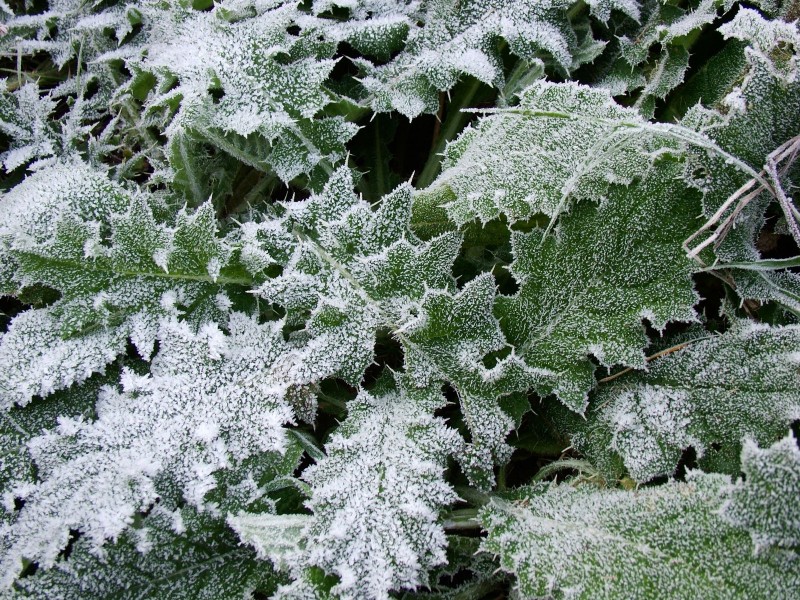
{"x": 491, "y": 359}
{"x": 687, "y": 462}
{"x": 712, "y": 292}
{"x": 217, "y": 94}
{"x": 388, "y": 353}
{"x": 371, "y": 156}
{"x": 795, "y": 427}
{"x": 19, "y": 504}
{"x": 772, "y": 244}
{"x": 293, "y": 30}
{"x": 10, "y": 307}
{"x": 411, "y": 145}
{"x": 74, "y": 536}
{"x": 29, "y": 570}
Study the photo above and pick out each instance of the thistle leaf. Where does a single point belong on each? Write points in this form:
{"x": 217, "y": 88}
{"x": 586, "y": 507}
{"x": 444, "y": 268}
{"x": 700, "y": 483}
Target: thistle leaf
{"x": 751, "y": 389}
{"x": 632, "y": 544}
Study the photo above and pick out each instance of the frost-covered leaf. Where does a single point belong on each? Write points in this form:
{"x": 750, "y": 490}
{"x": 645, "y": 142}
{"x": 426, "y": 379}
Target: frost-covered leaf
{"x": 754, "y": 94}
{"x": 171, "y": 554}
{"x": 244, "y": 85}
{"x": 709, "y": 395}
{"x": 563, "y": 143}
{"x": 38, "y": 361}
{"x": 24, "y": 116}
{"x": 353, "y": 270}
{"x": 448, "y": 342}
{"x": 765, "y": 503}
{"x": 377, "y": 496}
{"x": 210, "y": 402}
{"x": 586, "y": 289}
{"x": 665, "y": 542}
{"x": 459, "y": 39}
{"x": 117, "y": 270}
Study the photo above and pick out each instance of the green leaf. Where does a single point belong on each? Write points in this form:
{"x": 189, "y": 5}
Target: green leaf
{"x": 586, "y": 289}
{"x": 562, "y": 144}
{"x": 209, "y": 403}
{"x": 709, "y": 395}
{"x": 448, "y": 342}
{"x": 459, "y": 39}
{"x": 665, "y": 542}
{"x": 765, "y": 503}
{"x": 353, "y": 271}
{"x": 377, "y": 495}
{"x": 172, "y": 554}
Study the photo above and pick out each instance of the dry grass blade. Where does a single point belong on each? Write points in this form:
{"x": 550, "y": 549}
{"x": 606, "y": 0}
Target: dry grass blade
{"x": 778, "y": 162}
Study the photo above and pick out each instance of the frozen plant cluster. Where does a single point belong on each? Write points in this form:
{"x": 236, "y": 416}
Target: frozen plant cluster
{"x": 370, "y": 299}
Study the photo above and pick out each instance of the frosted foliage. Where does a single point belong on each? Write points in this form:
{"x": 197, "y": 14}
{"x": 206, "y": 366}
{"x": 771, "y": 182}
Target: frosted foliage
{"x": 765, "y": 503}
{"x": 37, "y": 361}
{"x": 662, "y": 542}
{"x": 448, "y": 341}
{"x": 118, "y": 270}
{"x": 352, "y": 271}
{"x": 563, "y": 143}
{"x": 210, "y": 402}
{"x": 377, "y": 496}
{"x": 260, "y": 95}
{"x": 274, "y": 537}
{"x": 708, "y": 395}
{"x": 23, "y": 118}
{"x": 458, "y": 40}
{"x": 171, "y": 555}
{"x": 765, "y": 37}
{"x": 587, "y": 288}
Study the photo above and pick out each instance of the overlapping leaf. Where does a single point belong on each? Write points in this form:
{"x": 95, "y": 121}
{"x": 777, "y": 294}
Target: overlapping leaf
{"x": 667, "y": 541}
{"x": 210, "y": 402}
{"x": 172, "y": 554}
{"x": 244, "y": 85}
{"x": 765, "y": 502}
{"x": 118, "y": 271}
{"x": 353, "y": 270}
{"x": 459, "y": 38}
{"x": 375, "y": 499}
{"x": 709, "y": 395}
{"x": 563, "y": 143}
{"x": 587, "y": 289}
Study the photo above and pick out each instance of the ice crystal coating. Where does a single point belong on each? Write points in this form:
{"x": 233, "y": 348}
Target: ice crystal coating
{"x": 587, "y": 288}
{"x": 585, "y": 542}
{"x": 209, "y": 403}
{"x": 178, "y": 554}
{"x": 265, "y": 110}
{"x": 562, "y": 144}
{"x": 765, "y": 503}
{"x": 457, "y": 40}
{"x": 352, "y": 271}
{"x": 448, "y": 341}
{"x": 750, "y": 388}
{"x": 375, "y": 500}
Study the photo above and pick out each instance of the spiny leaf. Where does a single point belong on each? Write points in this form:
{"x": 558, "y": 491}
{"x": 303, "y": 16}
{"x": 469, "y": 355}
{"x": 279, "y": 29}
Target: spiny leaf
{"x": 585, "y": 542}
{"x": 709, "y": 395}
{"x": 563, "y": 143}
{"x": 765, "y": 503}
{"x": 587, "y": 288}
{"x": 210, "y": 402}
